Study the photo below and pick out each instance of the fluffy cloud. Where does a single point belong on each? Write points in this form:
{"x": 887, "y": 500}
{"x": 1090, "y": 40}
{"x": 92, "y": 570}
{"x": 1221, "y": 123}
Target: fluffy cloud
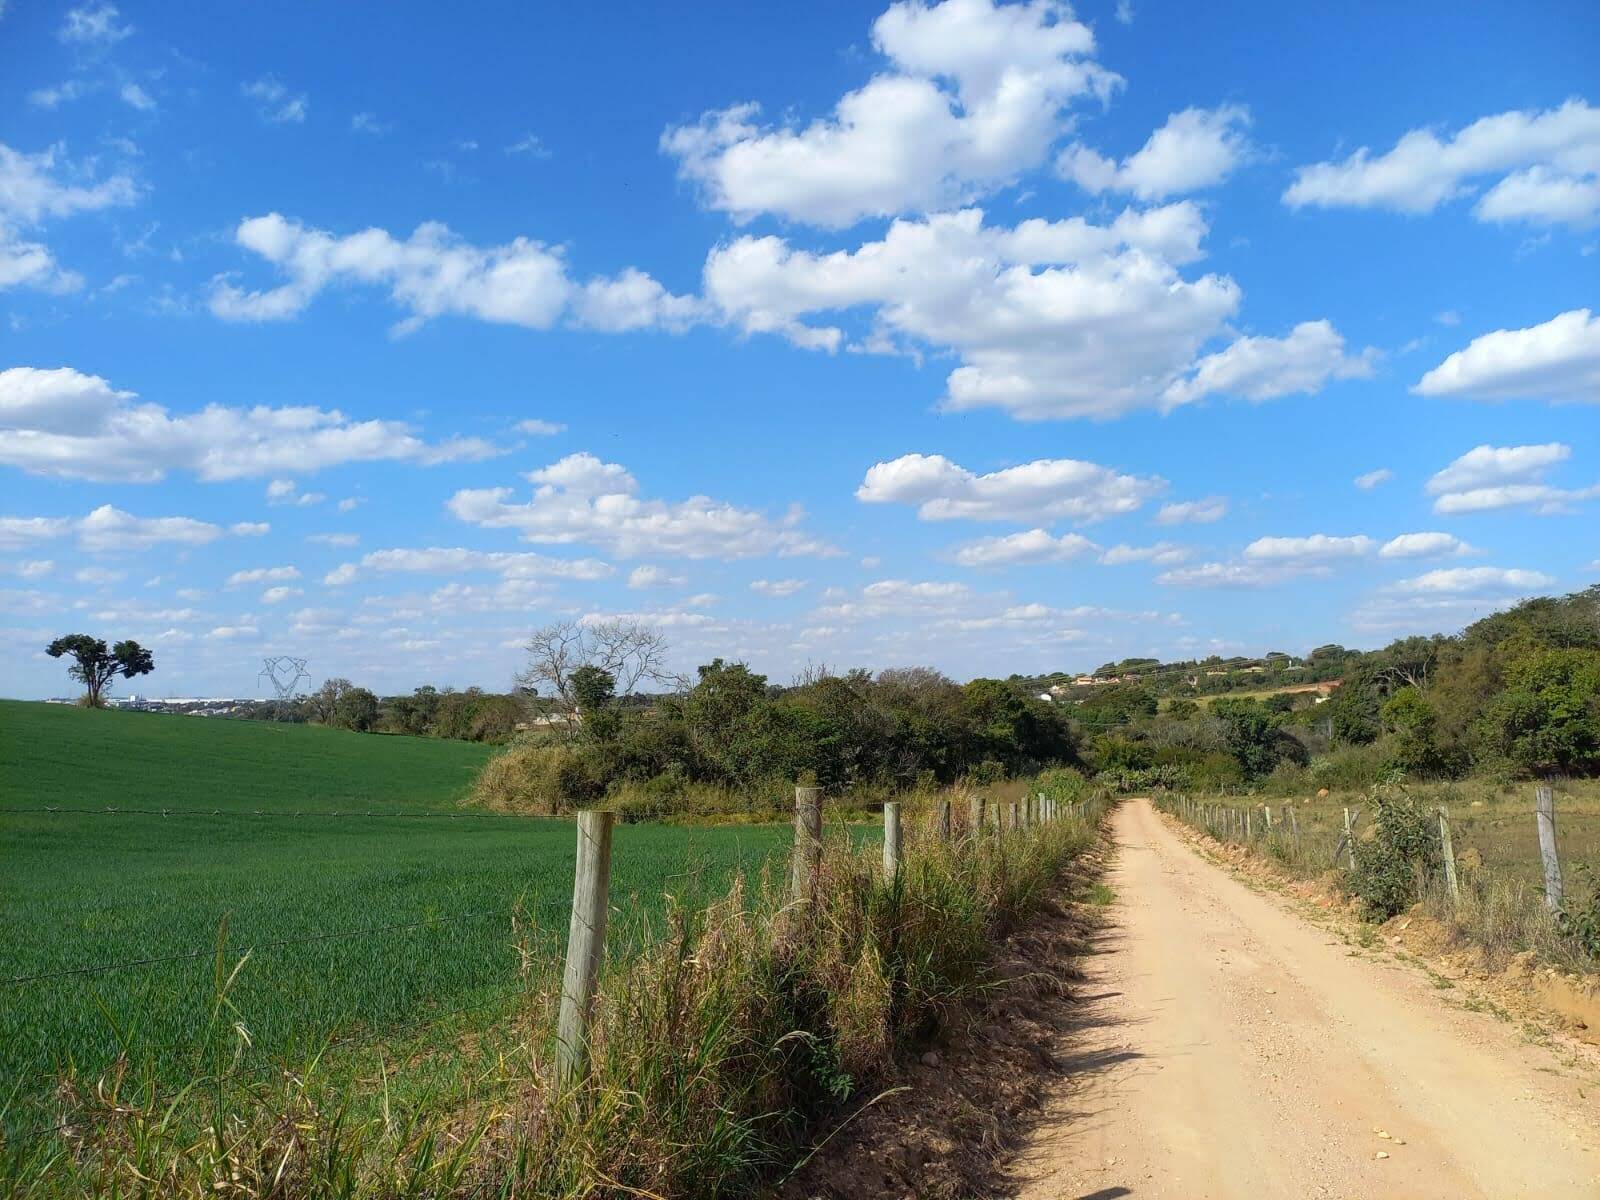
{"x": 287, "y": 491}
{"x": 1229, "y": 575}
{"x": 581, "y": 499}
{"x": 1314, "y": 549}
{"x": 976, "y": 93}
{"x": 31, "y": 194}
{"x": 1473, "y": 580}
{"x": 1196, "y": 148}
{"x": 1050, "y": 319}
{"x": 1161, "y": 554}
{"x": 1264, "y": 368}
{"x": 1493, "y": 477}
{"x": 453, "y": 560}
{"x": 1047, "y": 490}
{"x": 777, "y": 587}
{"x": 64, "y": 423}
{"x": 1193, "y": 512}
{"x": 1548, "y": 164}
{"x": 1424, "y": 545}
{"x": 650, "y": 576}
{"x": 434, "y": 273}
{"x": 534, "y": 427}
{"x": 1373, "y": 478}
{"x": 263, "y": 575}
{"x": 277, "y": 595}
{"x": 1021, "y": 549}
{"x": 1559, "y": 359}
{"x": 107, "y": 529}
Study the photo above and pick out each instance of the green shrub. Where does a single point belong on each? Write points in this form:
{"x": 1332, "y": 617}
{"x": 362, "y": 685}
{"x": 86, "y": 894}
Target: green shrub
{"x": 1397, "y": 856}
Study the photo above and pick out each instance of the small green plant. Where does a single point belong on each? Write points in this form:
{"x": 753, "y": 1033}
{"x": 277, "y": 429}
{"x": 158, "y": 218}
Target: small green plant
{"x": 1579, "y": 919}
{"x": 1400, "y": 854}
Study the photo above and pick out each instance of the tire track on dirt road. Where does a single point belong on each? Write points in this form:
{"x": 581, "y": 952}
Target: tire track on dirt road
{"x": 1257, "y": 1056}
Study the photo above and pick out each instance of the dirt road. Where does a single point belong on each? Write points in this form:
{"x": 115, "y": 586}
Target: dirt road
{"x": 1235, "y": 1049}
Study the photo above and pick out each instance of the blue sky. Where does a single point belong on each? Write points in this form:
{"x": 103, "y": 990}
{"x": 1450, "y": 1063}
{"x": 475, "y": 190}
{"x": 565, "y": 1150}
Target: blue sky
{"x": 993, "y": 337}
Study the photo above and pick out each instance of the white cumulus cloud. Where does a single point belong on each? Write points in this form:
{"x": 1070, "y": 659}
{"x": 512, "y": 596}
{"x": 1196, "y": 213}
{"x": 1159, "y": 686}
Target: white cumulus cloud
{"x": 1031, "y": 547}
{"x": 1547, "y": 167}
{"x": 776, "y": 587}
{"x": 1264, "y": 368}
{"x": 1494, "y": 477}
{"x": 974, "y": 94}
{"x": 1049, "y": 319}
{"x": 1047, "y": 490}
{"x": 1193, "y": 512}
{"x": 581, "y": 499}
{"x": 1464, "y": 580}
{"x": 1559, "y": 359}
{"x": 1424, "y": 545}
{"x": 62, "y": 422}
{"x": 1315, "y": 548}
{"x": 1196, "y": 148}
{"x": 434, "y": 273}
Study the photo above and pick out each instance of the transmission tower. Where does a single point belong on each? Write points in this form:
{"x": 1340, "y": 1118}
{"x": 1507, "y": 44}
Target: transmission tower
{"x": 285, "y": 673}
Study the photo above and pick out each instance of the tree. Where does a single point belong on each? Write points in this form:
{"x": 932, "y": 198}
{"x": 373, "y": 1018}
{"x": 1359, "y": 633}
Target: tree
{"x": 629, "y": 652}
{"x": 1412, "y": 726}
{"x": 1254, "y": 736}
{"x": 95, "y": 667}
{"x": 1548, "y": 718}
{"x": 324, "y": 702}
{"x": 357, "y": 709}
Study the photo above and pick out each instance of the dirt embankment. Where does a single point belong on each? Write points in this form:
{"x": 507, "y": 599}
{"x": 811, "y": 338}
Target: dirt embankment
{"x": 945, "y": 1125}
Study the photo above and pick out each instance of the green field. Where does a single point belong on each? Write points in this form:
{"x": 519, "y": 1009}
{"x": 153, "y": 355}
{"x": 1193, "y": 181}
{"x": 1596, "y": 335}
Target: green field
{"x": 266, "y": 855}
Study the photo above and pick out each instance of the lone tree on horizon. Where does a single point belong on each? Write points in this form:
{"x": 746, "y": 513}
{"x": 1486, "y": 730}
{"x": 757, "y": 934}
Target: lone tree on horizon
{"x": 95, "y": 667}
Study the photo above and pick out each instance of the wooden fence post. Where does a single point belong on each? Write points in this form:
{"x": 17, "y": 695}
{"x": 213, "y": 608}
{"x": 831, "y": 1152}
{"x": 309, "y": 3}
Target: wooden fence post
{"x": 891, "y": 839}
{"x": 1544, "y": 807}
{"x": 1022, "y": 814}
{"x": 1447, "y": 849}
{"x": 807, "y": 842}
{"x": 1266, "y": 814}
{"x": 586, "y": 943}
{"x": 943, "y": 821}
{"x": 975, "y": 815}
{"x": 1349, "y": 839}
{"x": 1294, "y": 825}
{"x": 1248, "y": 832}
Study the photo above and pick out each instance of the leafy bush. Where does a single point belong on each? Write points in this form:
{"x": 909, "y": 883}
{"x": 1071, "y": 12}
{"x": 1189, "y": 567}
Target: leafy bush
{"x": 1397, "y": 855}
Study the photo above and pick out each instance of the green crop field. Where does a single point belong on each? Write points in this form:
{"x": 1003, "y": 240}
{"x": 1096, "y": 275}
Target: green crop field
{"x": 265, "y": 857}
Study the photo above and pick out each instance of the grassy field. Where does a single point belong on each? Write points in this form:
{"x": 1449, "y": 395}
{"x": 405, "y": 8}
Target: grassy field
{"x": 482, "y": 898}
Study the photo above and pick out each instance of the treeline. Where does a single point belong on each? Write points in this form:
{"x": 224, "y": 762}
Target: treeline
{"x": 1212, "y": 676}
{"x": 734, "y": 730}
{"x": 472, "y": 715}
{"x": 1514, "y": 695}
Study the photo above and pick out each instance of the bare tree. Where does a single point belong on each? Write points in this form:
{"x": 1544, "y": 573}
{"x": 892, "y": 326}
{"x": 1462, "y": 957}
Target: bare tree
{"x": 631, "y": 653}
